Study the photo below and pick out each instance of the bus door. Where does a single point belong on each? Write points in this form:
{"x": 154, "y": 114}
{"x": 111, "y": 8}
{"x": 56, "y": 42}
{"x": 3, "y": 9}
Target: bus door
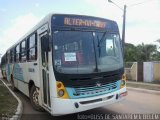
{"x": 44, "y": 69}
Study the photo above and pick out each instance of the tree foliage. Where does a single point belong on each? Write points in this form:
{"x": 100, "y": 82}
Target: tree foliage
{"x": 141, "y": 53}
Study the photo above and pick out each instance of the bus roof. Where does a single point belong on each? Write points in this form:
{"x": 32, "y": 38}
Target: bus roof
{"x": 48, "y": 18}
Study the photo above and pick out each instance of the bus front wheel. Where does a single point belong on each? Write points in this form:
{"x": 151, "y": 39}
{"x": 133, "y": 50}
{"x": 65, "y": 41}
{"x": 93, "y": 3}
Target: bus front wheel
{"x": 34, "y": 99}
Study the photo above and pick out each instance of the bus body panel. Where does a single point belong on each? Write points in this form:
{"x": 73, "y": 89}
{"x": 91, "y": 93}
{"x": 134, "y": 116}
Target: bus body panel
{"x": 33, "y": 73}
{"x": 23, "y": 87}
{"x": 67, "y": 106}
{"x": 52, "y": 80}
{"x": 9, "y": 68}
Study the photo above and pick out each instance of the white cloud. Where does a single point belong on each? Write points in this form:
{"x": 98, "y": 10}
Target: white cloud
{"x": 137, "y": 35}
{"x": 144, "y": 12}
{"x": 104, "y": 9}
{"x": 143, "y": 23}
{"x": 20, "y": 26}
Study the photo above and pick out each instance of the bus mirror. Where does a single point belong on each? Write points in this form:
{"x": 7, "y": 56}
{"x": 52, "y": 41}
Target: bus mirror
{"x": 45, "y": 43}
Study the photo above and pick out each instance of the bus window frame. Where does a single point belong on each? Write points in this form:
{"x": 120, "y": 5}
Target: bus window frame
{"x": 32, "y": 47}
{"x": 24, "y": 51}
{"x": 17, "y": 54}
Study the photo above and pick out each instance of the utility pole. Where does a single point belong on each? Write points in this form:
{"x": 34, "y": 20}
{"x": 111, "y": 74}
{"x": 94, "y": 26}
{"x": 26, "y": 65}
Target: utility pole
{"x": 124, "y": 23}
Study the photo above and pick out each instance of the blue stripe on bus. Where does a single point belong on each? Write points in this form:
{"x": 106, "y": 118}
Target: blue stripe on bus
{"x": 8, "y": 72}
{"x": 18, "y": 72}
{"x": 102, "y": 90}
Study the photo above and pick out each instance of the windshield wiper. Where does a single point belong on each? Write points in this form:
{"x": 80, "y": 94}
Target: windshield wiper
{"x": 99, "y": 42}
{"x": 95, "y": 55}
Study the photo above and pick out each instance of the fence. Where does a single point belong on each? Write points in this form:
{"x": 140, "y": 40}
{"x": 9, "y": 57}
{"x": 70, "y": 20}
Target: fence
{"x": 143, "y": 71}
{"x": 131, "y": 71}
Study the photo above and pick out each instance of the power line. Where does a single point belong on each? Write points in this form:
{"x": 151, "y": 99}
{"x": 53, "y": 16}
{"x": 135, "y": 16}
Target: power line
{"x": 139, "y": 3}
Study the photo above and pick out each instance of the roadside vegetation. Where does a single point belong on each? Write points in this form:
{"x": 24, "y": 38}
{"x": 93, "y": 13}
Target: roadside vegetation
{"x": 8, "y": 104}
{"x": 142, "y": 52}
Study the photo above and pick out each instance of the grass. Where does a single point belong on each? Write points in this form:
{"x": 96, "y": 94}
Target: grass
{"x": 8, "y": 104}
{"x": 144, "y": 86}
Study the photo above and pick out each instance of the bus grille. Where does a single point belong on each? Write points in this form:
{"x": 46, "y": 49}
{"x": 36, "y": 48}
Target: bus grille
{"x": 97, "y": 89}
{"x": 93, "y": 86}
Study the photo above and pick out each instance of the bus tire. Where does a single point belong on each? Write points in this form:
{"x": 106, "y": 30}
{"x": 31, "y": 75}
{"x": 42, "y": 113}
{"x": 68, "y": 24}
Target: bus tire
{"x": 12, "y": 84}
{"x": 34, "y": 99}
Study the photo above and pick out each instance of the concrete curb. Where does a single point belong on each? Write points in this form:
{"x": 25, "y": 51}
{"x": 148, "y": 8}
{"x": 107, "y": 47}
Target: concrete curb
{"x": 19, "y": 110}
{"x": 140, "y": 83}
{"x": 144, "y": 90}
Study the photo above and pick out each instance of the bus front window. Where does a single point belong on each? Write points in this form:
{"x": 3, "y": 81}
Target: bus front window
{"x": 110, "y": 53}
{"x": 78, "y": 52}
{"x": 73, "y": 52}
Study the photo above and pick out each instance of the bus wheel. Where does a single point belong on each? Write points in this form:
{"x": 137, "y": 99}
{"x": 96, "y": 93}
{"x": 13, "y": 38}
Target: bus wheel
{"x": 12, "y": 85}
{"x": 34, "y": 99}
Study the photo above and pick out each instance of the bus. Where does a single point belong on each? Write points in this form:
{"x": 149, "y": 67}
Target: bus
{"x": 68, "y": 63}
{"x": 2, "y": 66}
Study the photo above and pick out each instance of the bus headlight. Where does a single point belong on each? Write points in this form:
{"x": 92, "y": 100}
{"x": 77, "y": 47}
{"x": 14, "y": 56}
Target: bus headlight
{"x": 123, "y": 81}
{"x": 60, "y": 93}
{"x": 61, "y": 90}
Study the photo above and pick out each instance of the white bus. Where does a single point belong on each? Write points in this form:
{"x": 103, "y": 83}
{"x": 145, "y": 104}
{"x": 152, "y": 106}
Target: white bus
{"x": 3, "y": 67}
{"x": 68, "y": 64}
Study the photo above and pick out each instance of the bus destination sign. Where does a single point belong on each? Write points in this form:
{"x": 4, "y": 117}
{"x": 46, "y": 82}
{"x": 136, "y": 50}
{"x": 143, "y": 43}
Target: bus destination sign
{"x": 84, "y": 22}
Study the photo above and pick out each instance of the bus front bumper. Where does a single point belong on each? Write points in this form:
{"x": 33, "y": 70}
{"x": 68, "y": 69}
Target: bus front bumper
{"x": 68, "y": 106}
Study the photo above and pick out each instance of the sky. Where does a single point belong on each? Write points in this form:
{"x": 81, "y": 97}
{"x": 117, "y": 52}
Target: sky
{"x": 19, "y": 16}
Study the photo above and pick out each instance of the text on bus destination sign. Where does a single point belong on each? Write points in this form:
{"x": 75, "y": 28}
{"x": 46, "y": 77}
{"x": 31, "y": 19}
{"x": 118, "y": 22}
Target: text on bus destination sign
{"x": 84, "y": 22}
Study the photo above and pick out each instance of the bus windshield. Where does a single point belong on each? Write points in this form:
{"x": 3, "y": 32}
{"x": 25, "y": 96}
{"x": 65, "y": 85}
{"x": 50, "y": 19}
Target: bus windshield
{"x": 80, "y": 52}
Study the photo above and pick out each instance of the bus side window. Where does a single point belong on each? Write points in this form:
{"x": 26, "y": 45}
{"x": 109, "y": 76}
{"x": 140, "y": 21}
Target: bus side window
{"x": 32, "y": 48}
{"x": 13, "y": 55}
{"x": 10, "y": 60}
{"x": 23, "y": 51}
{"x": 7, "y": 57}
{"x": 14, "y": 52}
{"x": 17, "y": 53}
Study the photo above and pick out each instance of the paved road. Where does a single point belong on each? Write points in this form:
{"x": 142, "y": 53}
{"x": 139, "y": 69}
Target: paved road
{"x": 135, "y": 102}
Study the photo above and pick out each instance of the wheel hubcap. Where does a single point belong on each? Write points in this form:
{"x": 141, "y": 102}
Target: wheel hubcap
{"x": 35, "y": 97}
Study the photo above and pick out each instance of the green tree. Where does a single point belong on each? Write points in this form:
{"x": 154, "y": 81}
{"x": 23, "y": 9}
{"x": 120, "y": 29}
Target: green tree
{"x": 142, "y": 52}
{"x": 130, "y": 52}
